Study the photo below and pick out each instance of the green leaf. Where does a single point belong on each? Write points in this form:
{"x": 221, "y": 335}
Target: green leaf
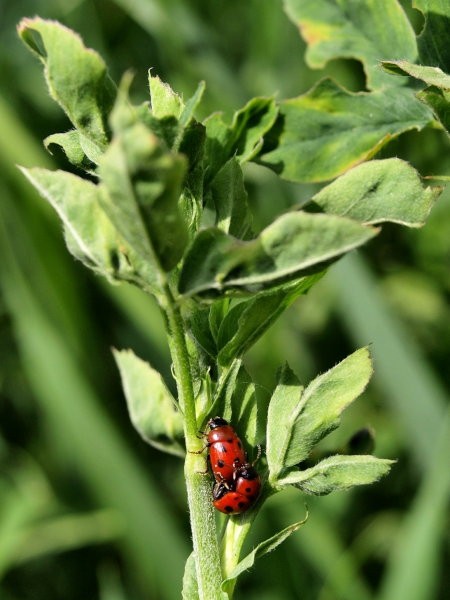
{"x": 90, "y": 235}
{"x": 151, "y": 406}
{"x": 144, "y": 183}
{"x": 439, "y": 101}
{"x": 430, "y": 75}
{"x": 223, "y": 393}
{"x": 293, "y": 246}
{"x": 246, "y": 322}
{"x": 190, "y": 586}
{"x": 365, "y": 31}
{"x": 263, "y": 548}
{"x": 187, "y": 114}
{"x": 436, "y": 96}
{"x": 171, "y": 117}
{"x": 338, "y": 473}
{"x": 324, "y": 132}
{"x": 378, "y": 191}
{"x": 243, "y": 138}
{"x": 197, "y": 319}
{"x": 164, "y": 101}
{"x": 244, "y": 408}
{"x": 232, "y": 214}
{"x": 433, "y": 39}
{"x": 84, "y": 91}
{"x": 236, "y": 400}
{"x": 303, "y": 420}
{"x": 70, "y": 143}
{"x": 284, "y": 408}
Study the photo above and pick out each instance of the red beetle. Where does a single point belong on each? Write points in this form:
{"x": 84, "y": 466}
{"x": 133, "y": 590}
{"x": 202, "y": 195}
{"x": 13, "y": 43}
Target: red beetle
{"x": 226, "y": 453}
{"x": 229, "y": 501}
{"x": 241, "y": 494}
{"x": 247, "y": 482}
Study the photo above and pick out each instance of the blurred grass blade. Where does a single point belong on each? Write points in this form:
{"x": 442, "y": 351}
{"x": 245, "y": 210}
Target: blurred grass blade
{"x": 320, "y": 545}
{"x": 414, "y": 564}
{"x": 69, "y": 532}
{"x": 78, "y": 422}
{"x": 411, "y": 388}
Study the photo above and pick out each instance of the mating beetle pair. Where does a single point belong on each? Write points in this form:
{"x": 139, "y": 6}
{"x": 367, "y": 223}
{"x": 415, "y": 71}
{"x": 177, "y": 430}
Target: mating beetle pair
{"x": 237, "y": 483}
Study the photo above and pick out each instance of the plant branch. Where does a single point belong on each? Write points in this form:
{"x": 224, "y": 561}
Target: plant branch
{"x": 206, "y": 550}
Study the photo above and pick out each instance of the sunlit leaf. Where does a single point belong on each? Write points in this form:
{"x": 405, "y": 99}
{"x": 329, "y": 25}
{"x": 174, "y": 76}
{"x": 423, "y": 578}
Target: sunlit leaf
{"x": 338, "y": 473}
{"x": 164, "y": 101}
{"x": 151, "y": 406}
{"x": 298, "y": 419}
{"x": 378, "y": 191}
{"x": 70, "y": 143}
{"x": 328, "y": 130}
{"x": 284, "y": 408}
{"x": 366, "y": 31}
{"x": 294, "y": 245}
{"x": 84, "y": 91}
{"x": 90, "y": 235}
{"x": 430, "y": 75}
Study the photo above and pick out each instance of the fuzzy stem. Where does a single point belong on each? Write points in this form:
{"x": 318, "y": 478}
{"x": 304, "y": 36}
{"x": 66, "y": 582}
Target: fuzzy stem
{"x": 206, "y": 550}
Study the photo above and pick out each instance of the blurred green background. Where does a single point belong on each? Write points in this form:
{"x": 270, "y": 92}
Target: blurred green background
{"x": 87, "y": 510}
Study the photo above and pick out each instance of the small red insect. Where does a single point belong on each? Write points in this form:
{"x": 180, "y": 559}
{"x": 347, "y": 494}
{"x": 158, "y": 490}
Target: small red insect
{"x": 247, "y": 482}
{"x": 229, "y": 502}
{"x": 241, "y": 495}
{"x": 226, "y": 452}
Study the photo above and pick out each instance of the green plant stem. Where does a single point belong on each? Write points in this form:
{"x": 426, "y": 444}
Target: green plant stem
{"x": 206, "y": 549}
{"x": 235, "y": 533}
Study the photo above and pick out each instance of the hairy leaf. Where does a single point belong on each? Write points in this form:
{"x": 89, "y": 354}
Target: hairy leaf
{"x": 328, "y": 130}
{"x": 338, "y": 473}
{"x": 70, "y": 143}
{"x": 291, "y": 247}
{"x": 229, "y": 198}
{"x": 378, "y": 191}
{"x": 430, "y": 75}
{"x": 144, "y": 183}
{"x": 304, "y": 419}
{"x": 190, "y": 585}
{"x": 84, "y": 91}
{"x": 151, "y": 406}
{"x": 263, "y": 548}
{"x": 164, "y": 101}
{"x": 243, "y": 138}
{"x": 90, "y": 235}
{"x": 284, "y": 409}
{"x": 366, "y": 31}
{"x": 246, "y": 322}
